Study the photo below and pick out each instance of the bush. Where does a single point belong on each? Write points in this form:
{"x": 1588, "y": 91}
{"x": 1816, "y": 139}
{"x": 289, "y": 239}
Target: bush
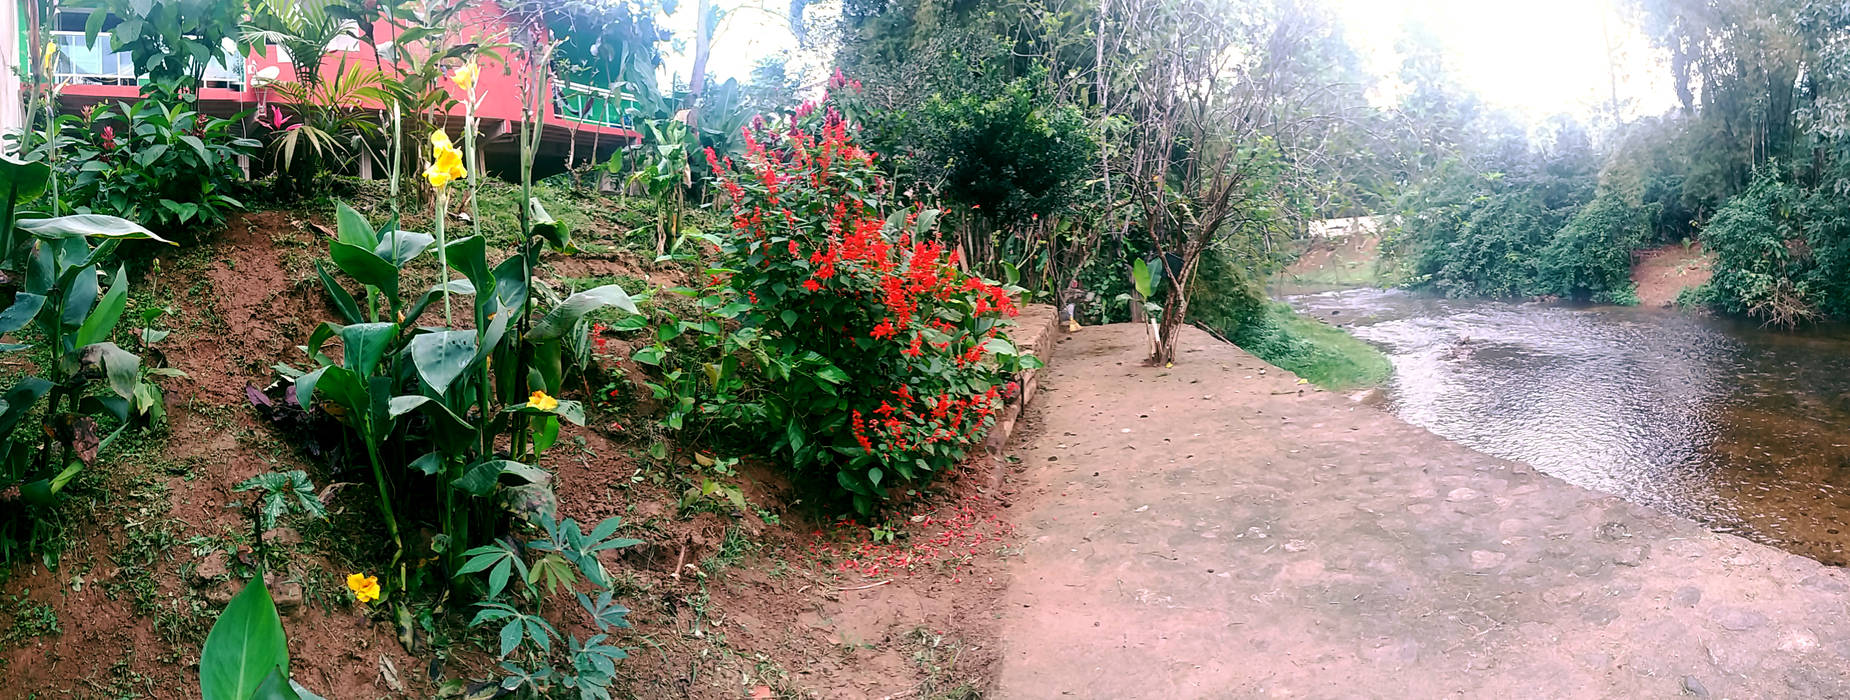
{"x": 1761, "y": 260}
{"x": 156, "y": 162}
{"x": 1590, "y": 257}
{"x": 876, "y": 348}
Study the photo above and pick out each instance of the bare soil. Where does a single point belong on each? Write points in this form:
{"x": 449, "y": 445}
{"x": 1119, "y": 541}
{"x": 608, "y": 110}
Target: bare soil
{"x": 1663, "y": 272}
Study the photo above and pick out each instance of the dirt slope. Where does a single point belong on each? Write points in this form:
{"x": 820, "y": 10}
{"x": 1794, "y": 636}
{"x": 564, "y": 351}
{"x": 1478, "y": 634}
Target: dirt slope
{"x": 1663, "y": 272}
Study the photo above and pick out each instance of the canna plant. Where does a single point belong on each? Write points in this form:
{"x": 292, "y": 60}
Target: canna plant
{"x": 453, "y": 413}
{"x": 60, "y": 305}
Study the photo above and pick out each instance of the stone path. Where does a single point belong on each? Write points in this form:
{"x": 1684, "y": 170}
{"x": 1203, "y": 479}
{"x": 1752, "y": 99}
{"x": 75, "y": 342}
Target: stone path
{"x": 1217, "y": 530}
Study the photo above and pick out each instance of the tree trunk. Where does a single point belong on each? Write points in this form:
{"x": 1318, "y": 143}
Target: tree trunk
{"x": 703, "y": 45}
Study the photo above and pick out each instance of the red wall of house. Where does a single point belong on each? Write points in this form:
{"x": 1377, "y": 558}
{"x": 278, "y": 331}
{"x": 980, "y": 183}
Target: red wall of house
{"x": 498, "y": 87}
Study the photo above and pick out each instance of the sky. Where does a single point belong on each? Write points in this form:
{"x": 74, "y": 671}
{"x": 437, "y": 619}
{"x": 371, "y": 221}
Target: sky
{"x": 1533, "y": 58}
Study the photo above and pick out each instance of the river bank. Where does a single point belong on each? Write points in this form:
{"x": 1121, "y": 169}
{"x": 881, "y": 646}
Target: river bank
{"x": 1229, "y": 531}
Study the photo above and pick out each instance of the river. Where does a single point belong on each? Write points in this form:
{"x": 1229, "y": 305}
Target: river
{"x": 1743, "y": 429}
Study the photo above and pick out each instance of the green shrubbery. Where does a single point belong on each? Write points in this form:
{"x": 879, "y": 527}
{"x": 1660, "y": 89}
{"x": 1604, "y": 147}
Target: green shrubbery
{"x": 882, "y": 364}
{"x": 156, "y": 161}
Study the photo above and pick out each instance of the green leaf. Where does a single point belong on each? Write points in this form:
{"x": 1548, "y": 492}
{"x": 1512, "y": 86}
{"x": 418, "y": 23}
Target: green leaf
{"x": 548, "y": 228}
{"x": 365, "y": 344}
{"x": 442, "y": 357}
{"x": 563, "y": 317}
{"x": 26, "y": 179}
{"x": 480, "y": 478}
{"x": 344, "y": 303}
{"x": 88, "y": 226}
{"x": 276, "y": 687}
{"x": 400, "y": 247}
{"x": 245, "y": 646}
{"x": 102, "y": 321}
{"x": 121, "y": 367}
{"x": 25, "y": 307}
{"x": 352, "y": 228}
{"x": 361, "y": 264}
{"x": 1140, "y": 276}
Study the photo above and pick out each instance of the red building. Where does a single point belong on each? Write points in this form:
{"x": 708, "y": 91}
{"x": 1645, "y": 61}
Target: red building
{"x": 583, "y": 121}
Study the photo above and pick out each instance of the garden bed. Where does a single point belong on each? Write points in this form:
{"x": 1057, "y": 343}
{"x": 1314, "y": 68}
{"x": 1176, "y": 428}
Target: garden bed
{"x": 777, "y": 599}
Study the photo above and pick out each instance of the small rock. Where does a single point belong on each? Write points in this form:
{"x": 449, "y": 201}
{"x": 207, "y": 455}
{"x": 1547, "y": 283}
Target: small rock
{"x": 220, "y": 593}
{"x": 1687, "y": 596}
{"x": 1798, "y": 641}
{"x": 1630, "y": 556}
{"x": 211, "y": 567}
{"x": 1460, "y": 495}
{"x": 287, "y": 594}
{"x": 1295, "y": 546}
{"x": 1691, "y": 686}
{"x": 1481, "y": 559}
{"x": 1738, "y": 619}
{"x": 283, "y": 537}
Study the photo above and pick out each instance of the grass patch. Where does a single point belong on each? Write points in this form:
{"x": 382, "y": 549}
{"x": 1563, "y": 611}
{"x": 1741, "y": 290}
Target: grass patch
{"x": 1326, "y": 355}
{"x": 30, "y": 619}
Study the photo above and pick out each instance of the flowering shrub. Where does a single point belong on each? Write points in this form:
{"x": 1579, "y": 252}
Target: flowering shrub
{"x": 890, "y": 362}
{"x": 158, "y": 162}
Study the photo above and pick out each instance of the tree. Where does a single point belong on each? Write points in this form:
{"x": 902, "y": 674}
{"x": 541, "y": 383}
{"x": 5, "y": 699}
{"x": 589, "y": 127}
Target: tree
{"x": 1226, "y": 135}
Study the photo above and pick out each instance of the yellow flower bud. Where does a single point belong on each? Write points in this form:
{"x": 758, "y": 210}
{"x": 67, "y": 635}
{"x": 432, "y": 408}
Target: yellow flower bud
{"x": 541, "y": 401}
{"x": 465, "y": 76}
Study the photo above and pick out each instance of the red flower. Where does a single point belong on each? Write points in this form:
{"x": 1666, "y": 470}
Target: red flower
{"x": 812, "y": 285}
{"x": 884, "y": 330}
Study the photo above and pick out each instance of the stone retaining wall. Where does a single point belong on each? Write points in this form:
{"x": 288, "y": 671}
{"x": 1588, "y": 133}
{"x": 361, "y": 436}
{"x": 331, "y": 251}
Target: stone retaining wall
{"x": 1035, "y": 333}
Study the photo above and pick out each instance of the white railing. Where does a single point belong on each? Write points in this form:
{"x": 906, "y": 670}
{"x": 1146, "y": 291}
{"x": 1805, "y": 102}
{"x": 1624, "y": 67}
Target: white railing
{"x": 81, "y": 63}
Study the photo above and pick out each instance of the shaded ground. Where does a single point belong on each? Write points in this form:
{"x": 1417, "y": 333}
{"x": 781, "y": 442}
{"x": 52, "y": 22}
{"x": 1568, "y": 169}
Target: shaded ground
{"x": 1219, "y": 530}
{"x": 1663, "y": 272}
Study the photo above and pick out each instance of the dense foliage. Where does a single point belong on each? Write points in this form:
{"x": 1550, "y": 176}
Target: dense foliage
{"x": 157, "y": 161}
{"x": 881, "y": 356}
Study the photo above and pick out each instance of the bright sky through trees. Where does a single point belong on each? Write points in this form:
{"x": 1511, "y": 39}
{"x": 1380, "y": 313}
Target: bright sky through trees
{"x": 1533, "y": 58}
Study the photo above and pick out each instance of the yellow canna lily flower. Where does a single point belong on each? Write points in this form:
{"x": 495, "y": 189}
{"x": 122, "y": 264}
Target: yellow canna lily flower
{"x": 465, "y": 76}
{"x": 51, "y": 57}
{"x": 541, "y": 401}
{"x": 448, "y": 165}
{"x": 365, "y": 588}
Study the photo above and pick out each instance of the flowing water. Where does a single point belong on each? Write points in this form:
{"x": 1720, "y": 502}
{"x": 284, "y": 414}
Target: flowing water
{"x": 1743, "y": 429}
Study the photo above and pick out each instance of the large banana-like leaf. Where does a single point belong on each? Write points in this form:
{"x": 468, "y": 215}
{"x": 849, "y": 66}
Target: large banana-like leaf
{"x": 121, "y": 367}
{"x": 102, "y": 321}
{"x": 371, "y": 270}
{"x": 364, "y": 345}
{"x": 79, "y": 288}
{"x": 88, "y": 226}
{"x": 245, "y": 647}
{"x": 25, "y": 307}
{"x": 26, "y": 180}
{"x": 344, "y": 303}
{"x": 352, "y": 228}
{"x": 400, "y": 247}
{"x": 552, "y": 230}
{"x": 443, "y": 356}
{"x": 560, "y": 320}
{"x": 19, "y": 401}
